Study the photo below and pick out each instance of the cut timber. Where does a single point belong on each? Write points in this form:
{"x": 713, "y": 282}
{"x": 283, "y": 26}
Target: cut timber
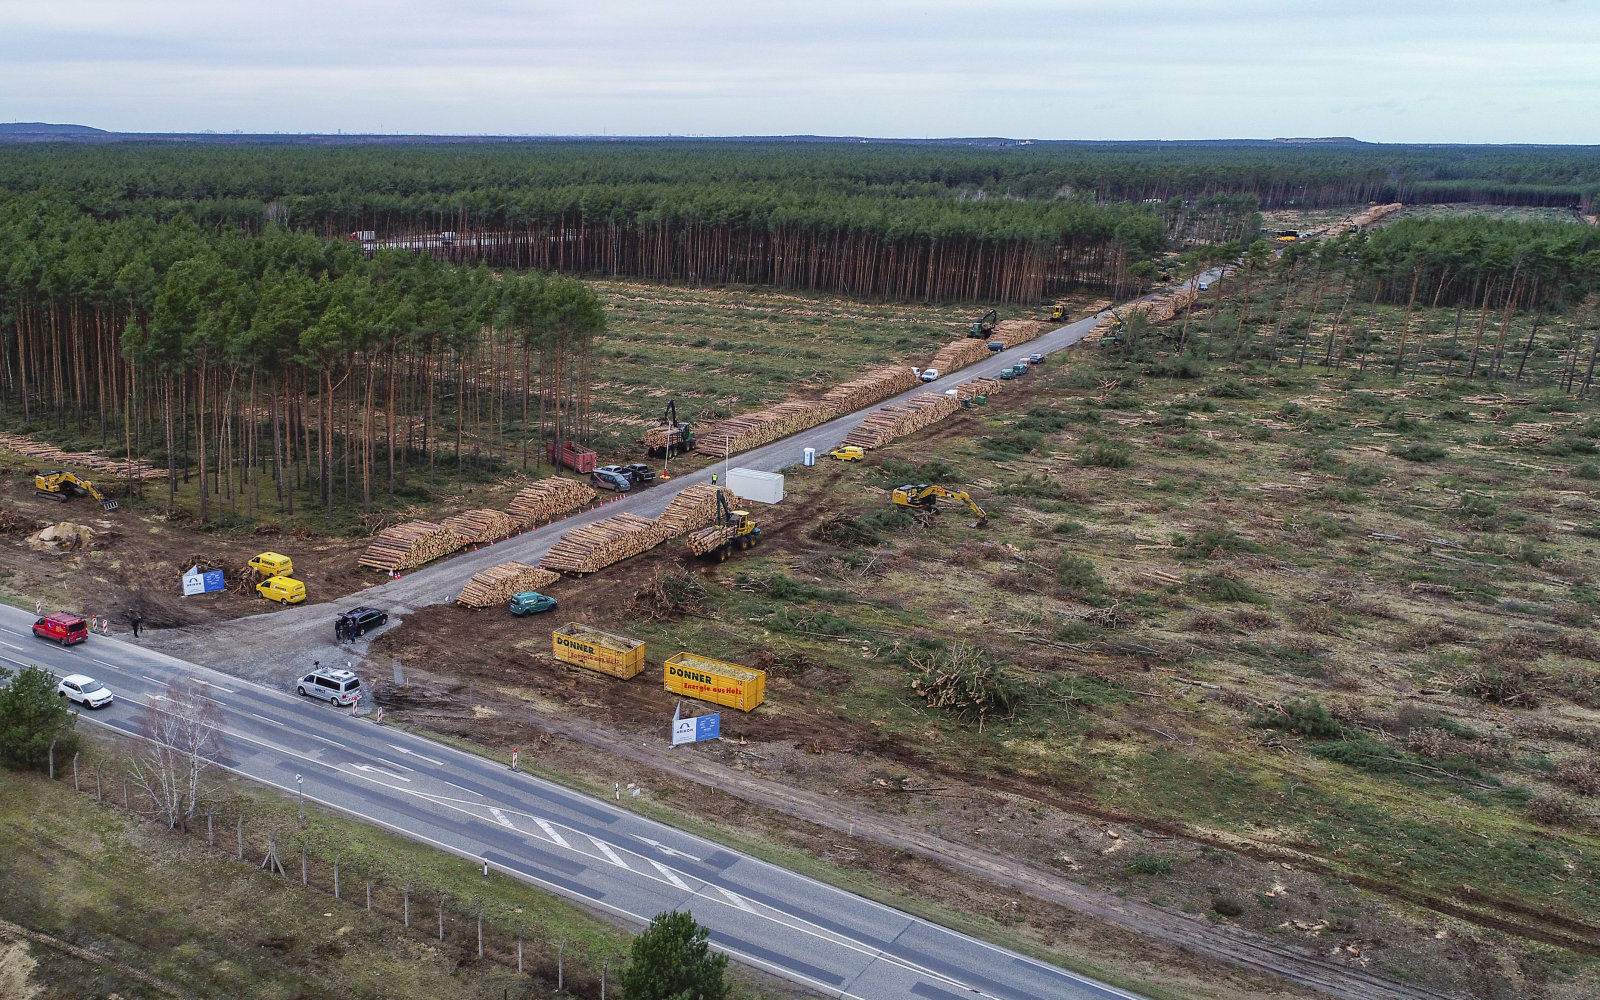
{"x": 694, "y": 507}
{"x": 479, "y": 527}
{"x": 708, "y": 540}
{"x": 985, "y": 387}
{"x": 549, "y": 499}
{"x": 498, "y": 584}
{"x": 407, "y": 545}
{"x": 959, "y": 354}
{"x": 896, "y": 420}
{"x": 1012, "y": 332}
{"x": 593, "y": 547}
{"x": 751, "y": 430}
{"x": 873, "y": 387}
{"x": 53, "y": 456}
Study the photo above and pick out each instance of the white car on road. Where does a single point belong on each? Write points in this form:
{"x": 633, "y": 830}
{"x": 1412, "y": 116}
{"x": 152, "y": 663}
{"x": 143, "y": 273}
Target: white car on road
{"x": 84, "y": 690}
{"x": 929, "y": 374}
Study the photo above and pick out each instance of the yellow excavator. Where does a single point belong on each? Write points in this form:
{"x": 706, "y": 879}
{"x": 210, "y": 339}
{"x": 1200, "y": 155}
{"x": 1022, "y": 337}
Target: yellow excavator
{"x": 926, "y": 497}
{"x": 61, "y": 485}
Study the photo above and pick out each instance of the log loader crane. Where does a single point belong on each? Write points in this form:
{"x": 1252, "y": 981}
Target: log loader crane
{"x": 60, "y": 485}
{"x": 981, "y": 328}
{"x": 926, "y": 497}
{"x": 671, "y": 436}
{"x": 732, "y": 530}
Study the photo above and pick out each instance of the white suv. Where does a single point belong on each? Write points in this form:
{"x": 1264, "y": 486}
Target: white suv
{"x": 84, "y": 690}
{"x": 341, "y": 687}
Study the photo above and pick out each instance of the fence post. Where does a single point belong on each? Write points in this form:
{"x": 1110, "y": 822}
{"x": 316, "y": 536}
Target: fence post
{"x": 126, "y": 804}
{"x": 75, "y": 774}
{"x": 369, "y": 894}
{"x": 241, "y": 836}
{"x": 336, "y": 877}
{"x": 519, "y": 951}
{"x": 304, "y": 881}
{"x": 480, "y": 933}
{"x": 99, "y": 790}
{"x": 604, "y": 968}
{"x": 52, "y": 760}
{"x": 561, "y": 981}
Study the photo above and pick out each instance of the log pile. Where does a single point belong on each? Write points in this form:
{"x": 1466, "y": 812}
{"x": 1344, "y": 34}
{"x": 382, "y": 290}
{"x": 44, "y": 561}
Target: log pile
{"x": 549, "y": 499}
{"x": 708, "y": 540}
{"x": 662, "y": 436}
{"x": 593, "y": 547}
{"x": 959, "y": 354}
{"x": 54, "y": 457}
{"x": 978, "y": 387}
{"x": 871, "y": 388}
{"x": 751, "y": 430}
{"x": 498, "y": 584}
{"x": 694, "y": 507}
{"x": 480, "y": 527}
{"x": 1012, "y": 332}
{"x": 405, "y": 546}
{"x": 896, "y": 420}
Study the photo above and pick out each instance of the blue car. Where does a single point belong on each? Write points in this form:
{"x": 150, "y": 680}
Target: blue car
{"x": 531, "y": 602}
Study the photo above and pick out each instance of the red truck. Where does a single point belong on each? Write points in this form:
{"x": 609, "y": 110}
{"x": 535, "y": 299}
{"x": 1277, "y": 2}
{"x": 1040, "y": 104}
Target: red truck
{"x": 574, "y": 456}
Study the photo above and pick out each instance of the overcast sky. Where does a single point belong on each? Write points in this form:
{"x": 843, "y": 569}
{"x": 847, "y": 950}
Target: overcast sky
{"x": 1396, "y": 71}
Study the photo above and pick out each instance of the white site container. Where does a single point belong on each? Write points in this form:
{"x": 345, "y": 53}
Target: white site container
{"x": 749, "y": 484}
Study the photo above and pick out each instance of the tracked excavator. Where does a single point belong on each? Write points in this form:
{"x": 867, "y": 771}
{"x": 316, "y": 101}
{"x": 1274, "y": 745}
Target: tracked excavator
{"x": 61, "y": 486}
{"x": 926, "y": 497}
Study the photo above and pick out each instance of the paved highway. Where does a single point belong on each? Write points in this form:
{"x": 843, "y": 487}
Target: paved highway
{"x": 593, "y": 851}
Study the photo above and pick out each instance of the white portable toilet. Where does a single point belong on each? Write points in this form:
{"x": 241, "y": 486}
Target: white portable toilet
{"x": 808, "y": 456}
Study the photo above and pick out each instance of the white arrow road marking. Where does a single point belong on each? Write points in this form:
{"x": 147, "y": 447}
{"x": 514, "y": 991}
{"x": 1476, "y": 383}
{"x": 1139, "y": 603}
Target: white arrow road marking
{"x": 551, "y": 832}
{"x": 664, "y": 849}
{"x": 670, "y": 875}
{"x": 605, "y": 849}
{"x": 413, "y": 753}
{"x": 378, "y": 770}
{"x": 500, "y": 817}
{"x": 735, "y": 900}
{"x": 393, "y": 764}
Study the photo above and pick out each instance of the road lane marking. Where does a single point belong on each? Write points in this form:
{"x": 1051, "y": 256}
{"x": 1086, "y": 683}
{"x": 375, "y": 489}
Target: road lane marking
{"x": 378, "y": 770}
{"x": 664, "y": 849}
{"x": 412, "y": 753}
{"x": 463, "y": 788}
{"x": 12, "y": 631}
{"x": 17, "y": 647}
{"x": 96, "y": 659}
{"x": 263, "y": 718}
{"x": 605, "y": 849}
{"x": 324, "y": 739}
{"x": 551, "y": 831}
{"x": 671, "y": 876}
{"x": 500, "y": 817}
{"x": 735, "y": 900}
{"x": 152, "y": 680}
{"x": 392, "y": 763}
{"x": 219, "y": 687}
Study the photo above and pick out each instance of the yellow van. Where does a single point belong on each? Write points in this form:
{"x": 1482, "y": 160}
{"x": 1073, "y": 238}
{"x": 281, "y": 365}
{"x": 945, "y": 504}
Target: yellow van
{"x": 282, "y": 589}
{"x": 272, "y": 564}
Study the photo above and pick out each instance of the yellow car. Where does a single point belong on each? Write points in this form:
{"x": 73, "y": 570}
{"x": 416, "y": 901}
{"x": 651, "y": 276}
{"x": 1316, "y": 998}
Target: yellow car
{"x": 849, "y": 453}
{"x": 282, "y": 589}
{"x": 272, "y": 564}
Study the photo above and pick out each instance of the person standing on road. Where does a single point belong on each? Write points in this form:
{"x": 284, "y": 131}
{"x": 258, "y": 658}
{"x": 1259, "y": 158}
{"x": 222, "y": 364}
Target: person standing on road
{"x": 713, "y": 479}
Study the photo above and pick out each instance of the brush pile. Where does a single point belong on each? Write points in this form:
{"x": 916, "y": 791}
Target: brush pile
{"x": 694, "y": 507}
{"x": 752, "y": 430}
{"x": 498, "y": 584}
{"x": 548, "y": 499}
{"x": 409, "y": 545}
{"x": 480, "y": 527}
{"x": 873, "y": 387}
{"x": 896, "y": 420}
{"x": 593, "y": 547}
{"x": 959, "y": 354}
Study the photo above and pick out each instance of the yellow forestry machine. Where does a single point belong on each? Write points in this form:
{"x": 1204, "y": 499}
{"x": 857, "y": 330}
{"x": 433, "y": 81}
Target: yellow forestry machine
{"x": 732, "y": 530}
{"x": 671, "y": 436}
{"x": 926, "y": 497}
{"x": 61, "y": 486}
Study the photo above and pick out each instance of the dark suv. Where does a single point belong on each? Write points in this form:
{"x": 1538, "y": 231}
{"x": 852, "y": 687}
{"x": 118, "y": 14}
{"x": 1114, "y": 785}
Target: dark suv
{"x": 360, "y": 621}
{"x": 639, "y": 473}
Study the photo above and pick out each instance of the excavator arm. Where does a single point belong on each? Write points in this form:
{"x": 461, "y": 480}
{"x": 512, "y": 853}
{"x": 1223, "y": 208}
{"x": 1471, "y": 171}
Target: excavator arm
{"x": 61, "y": 484}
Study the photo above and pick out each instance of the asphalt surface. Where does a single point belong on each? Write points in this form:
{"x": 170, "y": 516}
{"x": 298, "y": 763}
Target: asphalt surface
{"x": 590, "y": 850}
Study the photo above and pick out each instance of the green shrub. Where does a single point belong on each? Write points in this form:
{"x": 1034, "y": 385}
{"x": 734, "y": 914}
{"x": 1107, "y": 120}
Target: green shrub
{"x": 1363, "y": 475}
{"x": 1067, "y": 528}
{"x": 1588, "y": 470}
{"x": 1213, "y": 542}
{"x": 1104, "y": 456}
{"x": 1149, "y": 864}
{"x": 1230, "y": 388}
{"x": 1077, "y": 575}
{"x": 1306, "y": 716}
{"x": 1420, "y": 453}
{"x": 1225, "y": 588}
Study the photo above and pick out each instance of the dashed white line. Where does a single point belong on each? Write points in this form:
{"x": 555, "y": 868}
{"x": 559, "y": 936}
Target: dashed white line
{"x": 324, "y": 739}
{"x": 500, "y": 817}
{"x": 263, "y": 718}
{"x": 605, "y": 849}
{"x": 15, "y": 646}
{"x": 12, "y": 631}
{"x": 152, "y": 680}
{"x": 96, "y": 659}
{"x": 219, "y": 687}
{"x": 550, "y": 831}
{"x": 670, "y": 875}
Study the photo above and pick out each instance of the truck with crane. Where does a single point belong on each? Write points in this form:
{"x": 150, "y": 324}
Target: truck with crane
{"x": 671, "y": 436}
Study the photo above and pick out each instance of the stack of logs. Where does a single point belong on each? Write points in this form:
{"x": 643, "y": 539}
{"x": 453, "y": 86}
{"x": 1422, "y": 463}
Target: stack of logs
{"x": 498, "y": 584}
{"x": 662, "y": 436}
{"x": 1157, "y": 308}
{"x": 899, "y": 419}
{"x": 873, "y": 387}
{"x": 751, "y": 430}
{"x": 978, "y": 387}
{"x": 1012, "y": 332}
{"x": 959, "y": 354}
{"x": 407, "y": 545}
{"x": 479, "y": 527}
{"x": 694, "y": 507}
{"x": 708, "y": 540}
{"x": 593, "y": 547}
{"x": 549, "y": 499}
{"x": 55, "y": 458}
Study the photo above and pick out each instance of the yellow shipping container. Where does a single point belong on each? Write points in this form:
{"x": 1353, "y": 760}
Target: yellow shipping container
{"x": 588, "y": 647}
{"x": 714, "y": 681}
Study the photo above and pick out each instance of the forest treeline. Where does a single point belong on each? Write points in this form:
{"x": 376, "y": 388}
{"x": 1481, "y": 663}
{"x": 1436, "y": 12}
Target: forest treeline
{"x": 279, "y": 361}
